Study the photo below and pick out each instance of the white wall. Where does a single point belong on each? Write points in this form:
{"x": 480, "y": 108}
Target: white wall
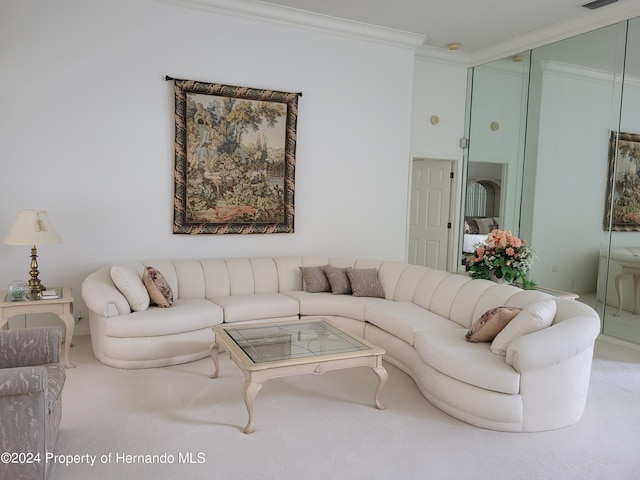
{"x": 439, "y": 88}
{"x": 86, "y": 128}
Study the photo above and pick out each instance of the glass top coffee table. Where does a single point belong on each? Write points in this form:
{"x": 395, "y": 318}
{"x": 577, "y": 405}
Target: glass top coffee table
{"x": 270, "y": 350}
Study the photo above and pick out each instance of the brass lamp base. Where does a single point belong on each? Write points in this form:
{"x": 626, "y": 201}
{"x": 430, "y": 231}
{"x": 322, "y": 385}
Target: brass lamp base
{"x": 35, "y": 286}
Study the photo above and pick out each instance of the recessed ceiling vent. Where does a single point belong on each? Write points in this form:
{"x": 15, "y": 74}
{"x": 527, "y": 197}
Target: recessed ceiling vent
{"x": 598, "y": 3}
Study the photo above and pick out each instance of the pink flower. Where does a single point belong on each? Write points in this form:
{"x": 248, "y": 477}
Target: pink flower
{"x": 510, "y": 251}
{"x": 503, "y": 239}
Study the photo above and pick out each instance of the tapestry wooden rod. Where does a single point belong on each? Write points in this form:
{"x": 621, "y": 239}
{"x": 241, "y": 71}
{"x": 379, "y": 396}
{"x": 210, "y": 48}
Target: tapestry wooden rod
{"x": 169, "y": 79}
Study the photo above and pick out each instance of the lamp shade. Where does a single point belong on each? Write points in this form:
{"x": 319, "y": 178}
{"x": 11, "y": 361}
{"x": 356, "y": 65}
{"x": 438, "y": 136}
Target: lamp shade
{"x": 32, "y": 227}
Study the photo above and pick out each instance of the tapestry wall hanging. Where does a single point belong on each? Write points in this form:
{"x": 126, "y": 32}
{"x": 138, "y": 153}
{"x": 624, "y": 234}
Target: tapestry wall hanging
{"x": 234, "y": 159}
{"x": 623, "y": 183}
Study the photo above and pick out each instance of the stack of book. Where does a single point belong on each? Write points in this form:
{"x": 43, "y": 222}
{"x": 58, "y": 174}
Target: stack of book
{"x": 49, "y": 294}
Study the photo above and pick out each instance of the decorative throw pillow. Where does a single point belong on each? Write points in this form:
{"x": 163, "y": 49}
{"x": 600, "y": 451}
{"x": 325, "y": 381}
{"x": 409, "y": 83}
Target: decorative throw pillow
{"x": 471, "y": 226}
{"x": 131, "y": 286}
{"x": 484, "y": 225}
{"x": 365, "y": 283}
{"x": 490, "y": 324}
{"x": 158, "y": 287}
{"x": 338, "y": 280}
{"x": 315, "y": 280}
{"x": 532, "y": 318}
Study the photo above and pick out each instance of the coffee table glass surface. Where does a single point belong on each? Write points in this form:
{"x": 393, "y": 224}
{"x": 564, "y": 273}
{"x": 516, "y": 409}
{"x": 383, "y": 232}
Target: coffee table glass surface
{"x": 293, "y": 341}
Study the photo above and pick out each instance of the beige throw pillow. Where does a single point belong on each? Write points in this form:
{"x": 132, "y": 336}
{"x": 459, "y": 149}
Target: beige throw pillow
{"x": 365, "y": 283}
{"x": 490, "y": 324}
{"x": 315, "y": 280}
{"x": 532, "y": 318}
{"x": 131, "y": 286}
{"x": 158, "y": 287}
{"x": 338, "y": 279}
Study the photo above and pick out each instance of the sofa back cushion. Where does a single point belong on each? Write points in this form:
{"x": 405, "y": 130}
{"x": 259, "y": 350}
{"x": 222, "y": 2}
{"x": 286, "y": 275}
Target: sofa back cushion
{"x": 497, "y": 296}
{"x": 189, "y": 278}
{"x": 408, "y": 281}
{"x": 463, "y": 310}
{"x": 240, "y": 276}
{"x": 389, "y": 275}
{"x": 265, "y": 275}
{"x": 216, "y": 278}
{"x": 445, "y": 294}
{"x": 289, "y": 274}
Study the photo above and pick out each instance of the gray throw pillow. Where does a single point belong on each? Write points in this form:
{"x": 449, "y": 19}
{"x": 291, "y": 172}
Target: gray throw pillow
{"x": 340, "y": 284}
{"x": 315, "y": 280}
{"x": 365, "y": 283}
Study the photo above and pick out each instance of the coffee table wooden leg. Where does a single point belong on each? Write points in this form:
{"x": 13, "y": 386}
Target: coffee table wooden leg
{"x": 214, "y": 356}
{"x": 250, "y": 391}
{"x": 382, "y": 374}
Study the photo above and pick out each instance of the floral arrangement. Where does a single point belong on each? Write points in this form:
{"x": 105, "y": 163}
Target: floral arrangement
{"x": 502, "y": 257}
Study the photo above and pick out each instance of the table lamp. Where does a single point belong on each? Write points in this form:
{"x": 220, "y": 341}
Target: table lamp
{"x": 33, "y": 227}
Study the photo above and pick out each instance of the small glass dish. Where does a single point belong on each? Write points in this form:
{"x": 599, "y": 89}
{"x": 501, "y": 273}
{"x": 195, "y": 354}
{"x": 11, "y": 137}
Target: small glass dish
{"x": 18, "y": 289}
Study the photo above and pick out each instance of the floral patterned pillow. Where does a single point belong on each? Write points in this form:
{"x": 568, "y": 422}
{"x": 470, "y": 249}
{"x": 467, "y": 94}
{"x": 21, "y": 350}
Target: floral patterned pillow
{"x": 491, "y": 323}
{"x": 158, "y": 287}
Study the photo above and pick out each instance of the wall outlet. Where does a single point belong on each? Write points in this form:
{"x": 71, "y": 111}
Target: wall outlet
{"x": 77, "y": 315}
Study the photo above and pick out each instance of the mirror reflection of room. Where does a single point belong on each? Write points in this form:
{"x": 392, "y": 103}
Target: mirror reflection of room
{"x": 555, "y": 193}
{"x": 482, "y": 202}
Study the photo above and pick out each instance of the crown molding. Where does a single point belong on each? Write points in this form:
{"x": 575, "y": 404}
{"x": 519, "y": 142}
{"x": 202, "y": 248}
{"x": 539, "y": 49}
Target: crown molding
{"x": 263, "y": 12}
{"x": 565, "y": 70}
{"x": 590, "y": 20}
{"x": 441, "y": 55}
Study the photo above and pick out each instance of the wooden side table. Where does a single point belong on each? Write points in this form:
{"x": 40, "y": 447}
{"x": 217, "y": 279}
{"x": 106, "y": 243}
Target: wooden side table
{"x": 63, "y": 307}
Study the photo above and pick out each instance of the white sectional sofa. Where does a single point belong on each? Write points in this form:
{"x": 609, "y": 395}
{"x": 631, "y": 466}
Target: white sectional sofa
{"x": 541, "y": 382}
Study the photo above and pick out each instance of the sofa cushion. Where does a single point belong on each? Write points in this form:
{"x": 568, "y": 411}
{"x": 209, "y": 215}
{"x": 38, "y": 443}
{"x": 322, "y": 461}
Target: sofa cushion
{"x": 532, "y": 318}
{"x": 315, "y": 280}
{"x": 404, "y": 319}
{"x": 184, "y": 316}
{"x": 339, "y": 280}
{"x": 130, "y": 285}
{"x": 240, "y": 308}
{"x": 491, "y": 323}
{"x": 327, "y": 304}
{"x": 365, "y": 283}
{"x": 157, "y": 286}
{"x": 448, "y": 352}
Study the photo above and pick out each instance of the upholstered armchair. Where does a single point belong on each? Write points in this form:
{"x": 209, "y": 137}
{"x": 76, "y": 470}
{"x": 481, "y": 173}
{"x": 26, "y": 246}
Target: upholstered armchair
{"x": 31, "y": 381}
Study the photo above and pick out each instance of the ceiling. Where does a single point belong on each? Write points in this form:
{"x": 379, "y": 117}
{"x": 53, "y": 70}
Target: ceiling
{"x": 474, "y": 24}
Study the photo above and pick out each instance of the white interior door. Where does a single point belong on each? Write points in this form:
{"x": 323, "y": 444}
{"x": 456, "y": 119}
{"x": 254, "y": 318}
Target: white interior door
{"x": 429, "y": 223}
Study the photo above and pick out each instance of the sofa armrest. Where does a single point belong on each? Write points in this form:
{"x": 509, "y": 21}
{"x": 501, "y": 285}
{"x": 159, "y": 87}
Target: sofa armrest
{"x": 553, "y": 345}
{"x": 25, "y": 347}
{"x": 102, "y": 297}
{"x": 23, "y": 380}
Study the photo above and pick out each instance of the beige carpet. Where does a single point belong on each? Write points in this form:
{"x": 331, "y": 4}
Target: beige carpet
{"x": 188, "y": 426}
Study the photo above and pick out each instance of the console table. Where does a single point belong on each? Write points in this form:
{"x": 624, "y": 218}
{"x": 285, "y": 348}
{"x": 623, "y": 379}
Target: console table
{"x": 62, "y": 307}
{"x": 558, "y": 293}
{"x": 628, "y": 269}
